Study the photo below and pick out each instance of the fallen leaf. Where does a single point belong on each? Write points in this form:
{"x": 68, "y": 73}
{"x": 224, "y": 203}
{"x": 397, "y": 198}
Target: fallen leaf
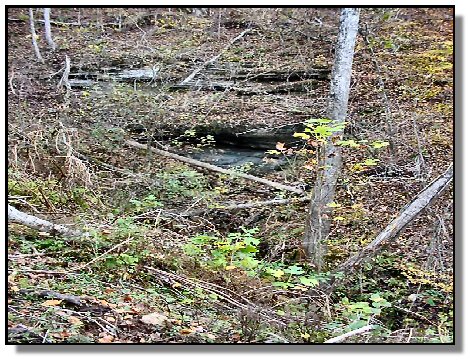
{"x": 230, "y": 267}
{"x": 154, "y": 319}
{"x": 186, "y": 331}
{"x": 127, "y": 298}
{"x": 176, "y": 285}
{"x": 75, "y": 320}
{"x": 280, "y": 146}
{"x": 106, "y": 339}
{"x": 51, "y": 302}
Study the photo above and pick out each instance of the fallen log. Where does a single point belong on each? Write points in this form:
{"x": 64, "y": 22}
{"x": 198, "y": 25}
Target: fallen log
{"x": 394, "y": 228}
{"x": 204, "y": 165}
{"x": 34, "y": 222}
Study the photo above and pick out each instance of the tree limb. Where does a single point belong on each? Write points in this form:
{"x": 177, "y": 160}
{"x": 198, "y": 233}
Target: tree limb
{"x": 34, "y": 222}
{"x": 249, "y": 205}
{"x": 340, "y": 338}
{"x": 393, "y": 229}
{"x": 215, "y": 168}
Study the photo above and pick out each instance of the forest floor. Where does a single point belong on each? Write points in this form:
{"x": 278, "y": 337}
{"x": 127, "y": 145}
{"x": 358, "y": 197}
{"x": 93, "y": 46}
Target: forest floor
{"x": 163, "y": 261}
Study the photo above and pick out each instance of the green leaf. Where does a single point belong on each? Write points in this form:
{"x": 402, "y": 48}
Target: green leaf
{"x": 370, "y": 162}
{"x": 302, "y": 135}
{"x": 430, "y": 301}
{"x": 284, "y": 285}
{"x": 308, "y": 281}
{"x": 278, "y": 273}
{"x": 294, "y": 270}
{"x": 380, "y": 144}
{"x": 350, "y": 143}
{"x": 376, "y": 297}
{"x": 249, "y": 249}
{"x": 357, "y": 324}
{"x": 249, "y": 263}
{"x": 333, "y": 205}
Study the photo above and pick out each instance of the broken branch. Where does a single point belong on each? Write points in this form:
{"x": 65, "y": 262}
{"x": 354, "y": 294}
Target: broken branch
{"x": 34, "y": 222}
{"x": 215, "y": 168}
{"x": 393, "y": 230}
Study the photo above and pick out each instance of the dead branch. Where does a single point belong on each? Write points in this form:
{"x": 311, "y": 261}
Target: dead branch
{"x": 340, "y": 338}
{"x": 71, "y": 299}
{"x": 228, "y": 295}
{"x": 211, "y": 60}
{"x": 249, "y": 205}
{"x": 394, "y": 228}
{"x": 34, "y": 222}
{"x": 215, "y": 168}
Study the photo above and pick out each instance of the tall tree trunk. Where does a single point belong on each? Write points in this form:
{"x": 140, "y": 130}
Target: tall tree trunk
{"x": 34, "y": 36}
{"x": 318, "y": 221}
{"x": 47, "y": 27}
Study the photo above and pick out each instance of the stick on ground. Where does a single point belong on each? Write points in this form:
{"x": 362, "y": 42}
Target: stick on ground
{"x": 34, "y": 222}
{"x": 204, "y": 165}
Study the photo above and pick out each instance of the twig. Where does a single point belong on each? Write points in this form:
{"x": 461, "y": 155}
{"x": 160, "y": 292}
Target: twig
{"x": 10, "y": 82}
{"x": 420, "y": 164}
{"x": 414, "y": 314}
{"x": 228, "y": 295}
{"x": 48, "y": 272}
{"x": 213, "y": 59}
{"x": 107, "y": 252}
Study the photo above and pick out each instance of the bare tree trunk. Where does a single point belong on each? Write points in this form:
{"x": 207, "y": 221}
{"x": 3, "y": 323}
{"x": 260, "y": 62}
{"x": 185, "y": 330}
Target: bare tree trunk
{"x": 393, "y": 229}
{"x": 34, "y": 36}
{"x": 318, "y": 222}
{"x": 47, "y": 27}
{"x": 64, "y": 81}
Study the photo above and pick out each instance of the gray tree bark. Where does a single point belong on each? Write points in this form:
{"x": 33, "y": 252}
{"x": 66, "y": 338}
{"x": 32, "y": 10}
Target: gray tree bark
{"x": 19, "y": 217}
{"x": 318, "y": 221}
{"x": 394, "y": 228}
{"x": 33, "y": 36}
{"x": 47, "y": 27}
